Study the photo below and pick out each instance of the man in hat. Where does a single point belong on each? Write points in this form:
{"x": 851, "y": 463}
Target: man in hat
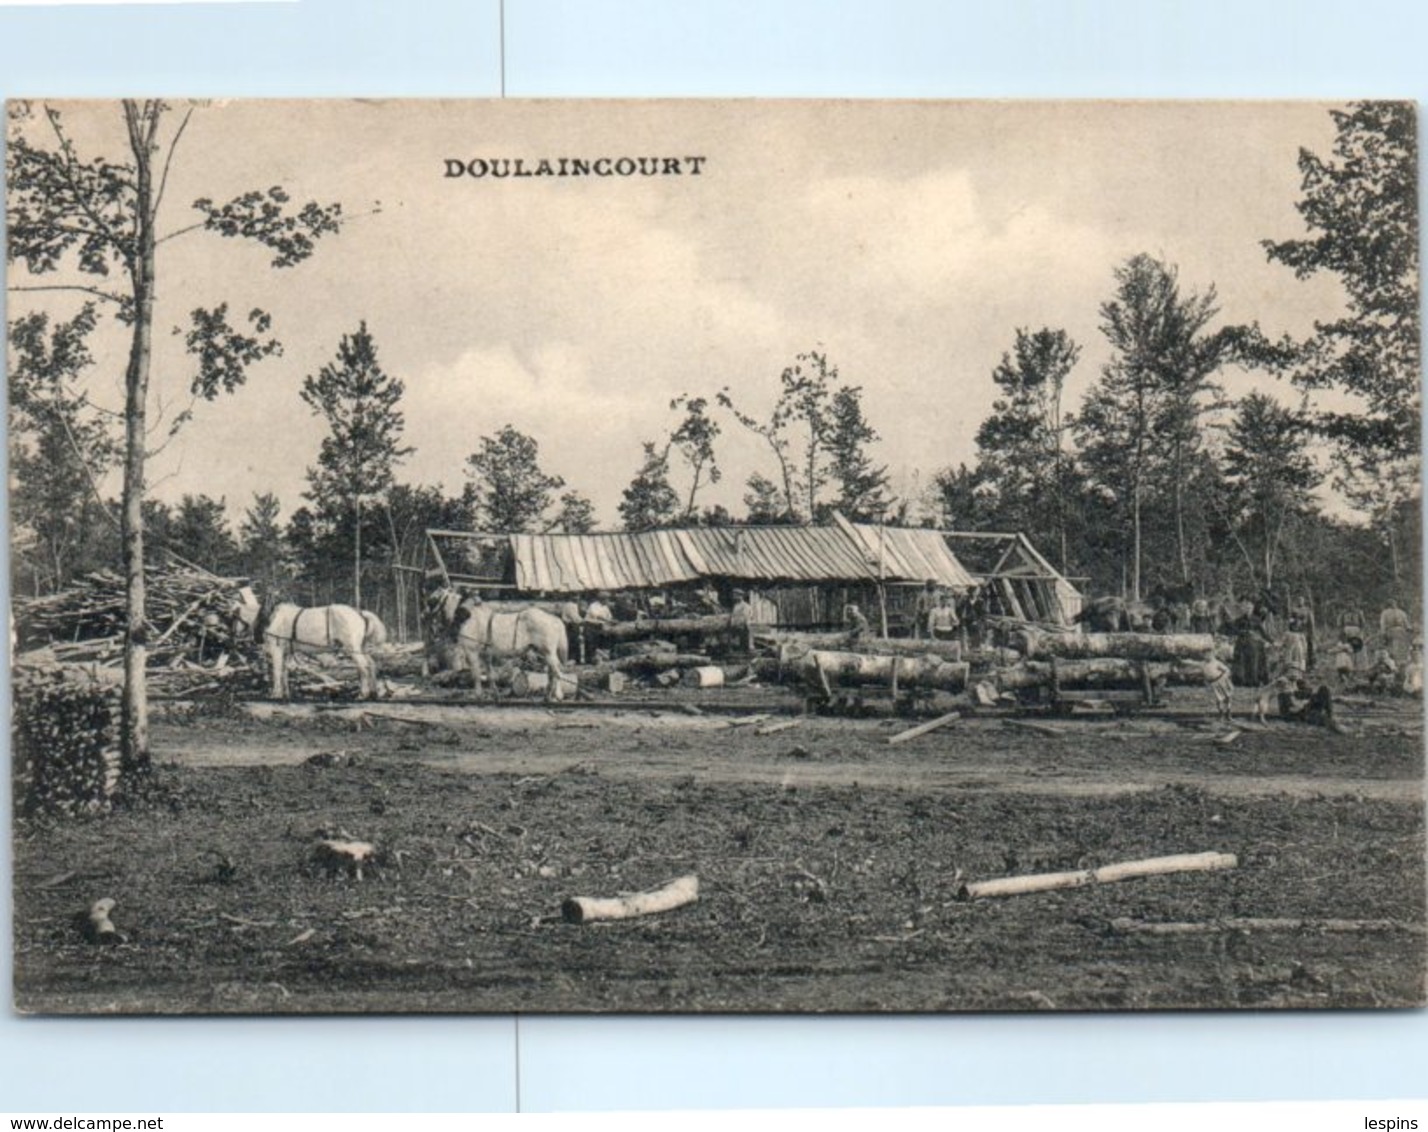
{"x": 598, "y": 610}
{"x": 856, "y": 624}
{"x": 922, "y": 609}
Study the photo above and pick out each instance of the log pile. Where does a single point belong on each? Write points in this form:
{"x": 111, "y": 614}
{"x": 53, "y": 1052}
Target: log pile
{"x": 187, "y": 616}
{"x": 66, "y": 735}
{"x": 1053, "y": 662}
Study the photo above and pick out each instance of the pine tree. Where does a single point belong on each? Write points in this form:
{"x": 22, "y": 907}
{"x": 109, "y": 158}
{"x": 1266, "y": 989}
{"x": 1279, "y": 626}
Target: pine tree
{"x": 262, "y": 550}
{"x": 1021, "y": 445}
{"x": 356, "y": 461}
{"x": 862, "y": 485}
{"x": 650, "y": 501}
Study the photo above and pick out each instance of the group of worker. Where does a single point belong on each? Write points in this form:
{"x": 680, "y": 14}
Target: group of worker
{"x": 935, "y": 617}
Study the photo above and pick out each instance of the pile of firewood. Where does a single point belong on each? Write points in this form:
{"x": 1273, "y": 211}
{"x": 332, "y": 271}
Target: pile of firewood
{"x": 187, "y": 617}
{"x": 66, "y": 735}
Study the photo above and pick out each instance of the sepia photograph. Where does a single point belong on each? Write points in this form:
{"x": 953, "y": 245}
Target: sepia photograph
{"x": 714, "y": 556}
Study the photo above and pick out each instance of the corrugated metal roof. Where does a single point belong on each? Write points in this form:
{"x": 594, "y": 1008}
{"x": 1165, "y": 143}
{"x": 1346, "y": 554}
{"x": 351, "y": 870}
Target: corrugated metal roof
{"x": 560, "y": 563}
{"x": 909, "y": 554}
{"x": 772, "y": 554}
{"x": 577, "y": 563}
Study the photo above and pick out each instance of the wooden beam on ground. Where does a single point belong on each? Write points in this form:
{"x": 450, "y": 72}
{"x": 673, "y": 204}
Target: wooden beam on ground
{"x": 1127, "y": 926}
{"x": 775, "y": 728}
{"x": 1107, "y": 874}
{"x": 924, "y": 728}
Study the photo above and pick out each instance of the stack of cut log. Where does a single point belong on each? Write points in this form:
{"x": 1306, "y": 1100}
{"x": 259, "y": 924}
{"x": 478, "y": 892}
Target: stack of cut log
{"x": 66, "y": 758}
{"x": 187, "y": 615}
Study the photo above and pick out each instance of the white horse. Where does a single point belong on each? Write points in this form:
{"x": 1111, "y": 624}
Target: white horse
{"x": 485, "y": 633}
{"x": 289, "y": 628}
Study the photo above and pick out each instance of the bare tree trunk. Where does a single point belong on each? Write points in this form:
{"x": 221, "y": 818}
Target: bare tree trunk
{"x": 357, "y": 553}
{"x": 134, "y": 712}
{"x": 1180, "y": 514}
{"x": 399, "y": 580}
{"x": 1135, "y": 540}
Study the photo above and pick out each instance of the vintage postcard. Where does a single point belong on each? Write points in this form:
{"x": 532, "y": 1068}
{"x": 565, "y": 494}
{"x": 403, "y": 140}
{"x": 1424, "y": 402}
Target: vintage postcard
{"x": 742, "y": 556}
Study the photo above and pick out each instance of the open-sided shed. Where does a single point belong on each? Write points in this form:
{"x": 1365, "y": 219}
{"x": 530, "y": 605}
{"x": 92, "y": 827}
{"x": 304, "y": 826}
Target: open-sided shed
{"x": 808, "y": 572}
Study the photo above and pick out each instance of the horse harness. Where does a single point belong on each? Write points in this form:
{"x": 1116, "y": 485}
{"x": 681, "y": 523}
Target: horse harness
{"x": 292, "y": 637}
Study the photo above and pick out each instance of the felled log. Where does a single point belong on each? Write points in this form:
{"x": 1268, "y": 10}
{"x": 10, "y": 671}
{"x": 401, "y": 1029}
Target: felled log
{"x": 665, "y": 627}
{"x": 1107, "y": 672}
{"x": 1126, "y": 646}
{"x": 677, "y": 893}
{"x": 705, "y": 676}
{"x": 842, "y": 642}
{"x": 1107, "y": 874}
{"x": 344, "y": 856}
{"x": 822, "y": 668}
{"x": 525, "y": 683}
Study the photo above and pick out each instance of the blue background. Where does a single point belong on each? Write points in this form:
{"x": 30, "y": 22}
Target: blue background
{"x": 1021, "y": 48}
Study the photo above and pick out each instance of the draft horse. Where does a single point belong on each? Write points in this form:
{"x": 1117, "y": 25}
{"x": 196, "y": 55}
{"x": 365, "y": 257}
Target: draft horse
{"x": 286, "y": 628}
{"x": 484, "y": 633}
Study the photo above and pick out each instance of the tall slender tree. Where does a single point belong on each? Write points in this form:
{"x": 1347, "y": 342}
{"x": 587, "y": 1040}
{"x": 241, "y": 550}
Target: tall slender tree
{"x": 1022, "y": 445}
{"x": 693, "y": 438}
{"x": 1269, "y": 477}
{"x": 96, "y": 225}
{"x": 356, "y": 462}
{"x": 1142, "y": 419}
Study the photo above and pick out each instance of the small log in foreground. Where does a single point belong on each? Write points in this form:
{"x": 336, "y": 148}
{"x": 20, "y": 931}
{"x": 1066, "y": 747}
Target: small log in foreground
{"x": 1126, "y": 870}
{"x": 99, "y": 928}
{"x": 677, "y": 893}
{"x": 344, "y": 856}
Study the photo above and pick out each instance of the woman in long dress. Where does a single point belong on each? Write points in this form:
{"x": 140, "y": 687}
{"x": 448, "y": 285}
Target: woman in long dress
{"x": 1294, "y": 649}
{"x": 1251, "y": 659}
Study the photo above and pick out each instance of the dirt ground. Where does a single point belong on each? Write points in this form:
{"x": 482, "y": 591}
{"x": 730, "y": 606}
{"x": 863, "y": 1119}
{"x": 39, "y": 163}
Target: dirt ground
{"x": 829, "y": 864}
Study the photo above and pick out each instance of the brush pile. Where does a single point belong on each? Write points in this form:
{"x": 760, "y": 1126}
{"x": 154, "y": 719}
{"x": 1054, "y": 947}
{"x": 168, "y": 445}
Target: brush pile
{"x": 187, "y": 617}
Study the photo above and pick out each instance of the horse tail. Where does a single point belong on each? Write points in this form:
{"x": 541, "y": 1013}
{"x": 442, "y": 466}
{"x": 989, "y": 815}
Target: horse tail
{"x": 376, "y": 633}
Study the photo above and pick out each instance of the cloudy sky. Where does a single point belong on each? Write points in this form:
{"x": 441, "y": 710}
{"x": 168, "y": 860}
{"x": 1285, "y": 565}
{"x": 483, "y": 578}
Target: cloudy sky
{"x": 907, "y": 240}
